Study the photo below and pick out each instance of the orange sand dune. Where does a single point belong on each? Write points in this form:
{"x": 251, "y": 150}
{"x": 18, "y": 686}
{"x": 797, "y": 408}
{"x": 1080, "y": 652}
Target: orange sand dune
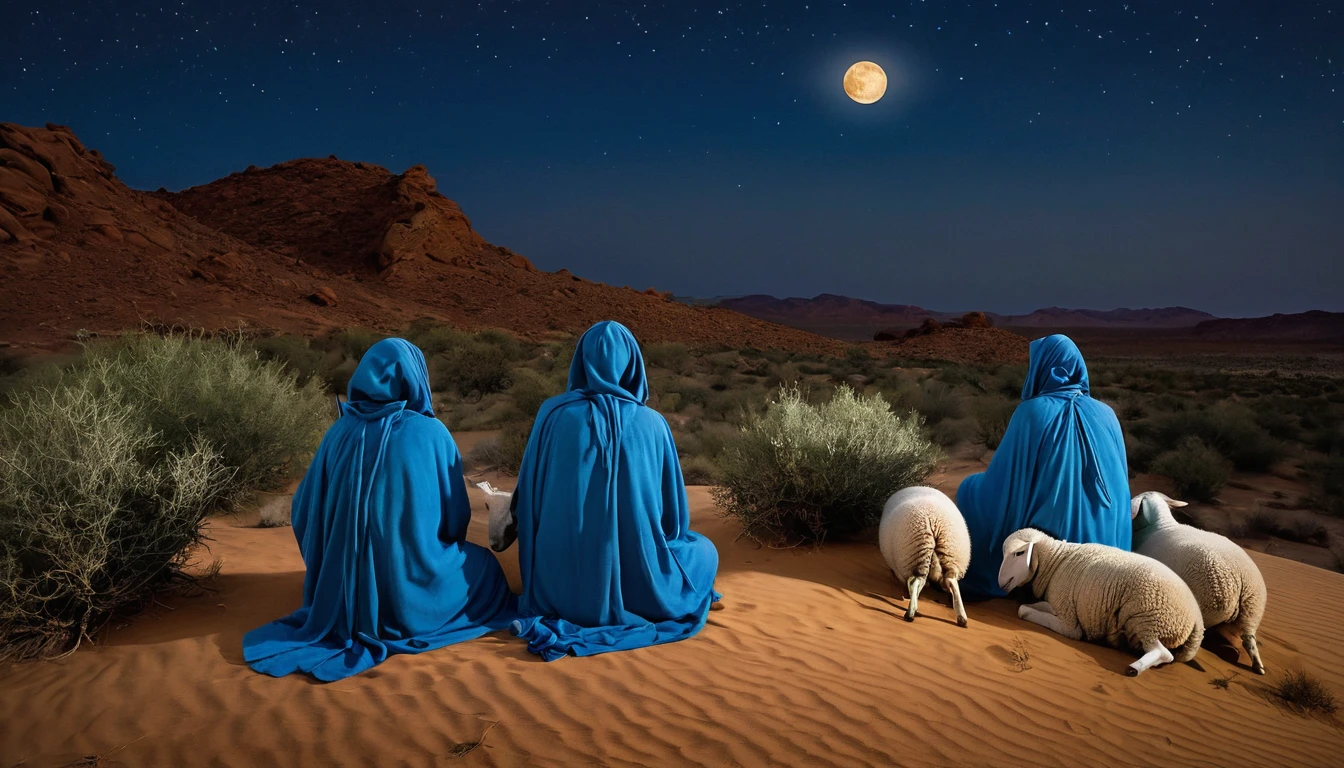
{"x": 809, "y": 664}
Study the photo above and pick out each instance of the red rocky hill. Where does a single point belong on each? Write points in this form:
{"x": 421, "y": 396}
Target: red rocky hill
{"x": 300, "y": 247}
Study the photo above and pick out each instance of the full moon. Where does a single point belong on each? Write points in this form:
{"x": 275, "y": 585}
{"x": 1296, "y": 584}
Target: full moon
{"x": 865, "y": 82}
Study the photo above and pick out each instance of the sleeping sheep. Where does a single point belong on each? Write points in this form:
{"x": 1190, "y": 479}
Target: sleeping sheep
{"x": 1095, "y": 592}
{"x": 503, "y": 525}
{"x": 924, "y": 538}
{"x": 1225, "y": 581}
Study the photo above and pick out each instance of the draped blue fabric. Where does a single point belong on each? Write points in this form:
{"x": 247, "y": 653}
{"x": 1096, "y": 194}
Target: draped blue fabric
{"x": 1061, "y": 468}
{"x": 607, "y": 556}
{"x": 381, "y": 520}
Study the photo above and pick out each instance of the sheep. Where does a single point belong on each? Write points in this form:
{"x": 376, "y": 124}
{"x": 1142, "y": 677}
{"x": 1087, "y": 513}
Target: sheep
{"x": 1096, "y": 592}
{"x": 924, "y": 538}
{"x": 1224, "y": 579}
{"x": 503, "y": 525}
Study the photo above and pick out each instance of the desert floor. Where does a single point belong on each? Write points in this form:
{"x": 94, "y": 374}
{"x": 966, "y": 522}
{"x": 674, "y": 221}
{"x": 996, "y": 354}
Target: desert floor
{"x": 809, "y": 664}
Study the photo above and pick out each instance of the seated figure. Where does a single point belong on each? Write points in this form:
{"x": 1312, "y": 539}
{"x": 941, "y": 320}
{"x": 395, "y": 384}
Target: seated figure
{"x": 1060, "y": 468}
{"x": 606, "y": 553}
{"x": 381, "y": 519}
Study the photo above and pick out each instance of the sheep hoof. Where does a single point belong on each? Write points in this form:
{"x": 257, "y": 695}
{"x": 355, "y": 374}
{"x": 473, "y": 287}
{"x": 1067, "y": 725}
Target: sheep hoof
{"x": 1258, "y": 670}
{"x": 961, "y": 621}
{"x": 1131, "y": 672}
{"x": 909, "y": 616}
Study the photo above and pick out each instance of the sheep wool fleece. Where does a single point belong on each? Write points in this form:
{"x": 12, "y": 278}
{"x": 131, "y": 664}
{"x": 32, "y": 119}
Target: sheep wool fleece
{"x": 1061, "y": 468}
{"x": 606, "y": 553}
{"x": 381, "y": 519}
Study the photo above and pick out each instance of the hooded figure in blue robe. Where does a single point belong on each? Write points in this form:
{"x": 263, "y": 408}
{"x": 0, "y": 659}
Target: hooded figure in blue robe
{"x": 381, "y": 519}
{"x": 608, "y": 559}
{"x": 1061, "y": 468}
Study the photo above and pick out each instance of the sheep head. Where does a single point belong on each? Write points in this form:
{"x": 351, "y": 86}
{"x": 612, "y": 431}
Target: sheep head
{"x": 503, "y": 526}
{"x": 1020, "y": 559}
{"x": 1150, "y": 508}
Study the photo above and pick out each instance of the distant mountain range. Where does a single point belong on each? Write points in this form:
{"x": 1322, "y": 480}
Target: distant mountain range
{"x": 849, "y": 318}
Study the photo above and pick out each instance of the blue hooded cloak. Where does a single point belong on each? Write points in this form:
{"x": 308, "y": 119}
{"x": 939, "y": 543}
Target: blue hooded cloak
{"x": 607, "y": 556}
{"x": 1061, "y": 468}
{"x": 381, "y": 519}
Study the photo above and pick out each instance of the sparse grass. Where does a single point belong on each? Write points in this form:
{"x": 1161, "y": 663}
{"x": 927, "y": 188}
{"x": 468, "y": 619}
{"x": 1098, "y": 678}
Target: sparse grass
{"x": 1304, "y": 693}
{"x": 1222, "y": 683}
{"x": 503, "y": 452}
{"x": 802, "y": 472}
{"x": 1020, "y": 654}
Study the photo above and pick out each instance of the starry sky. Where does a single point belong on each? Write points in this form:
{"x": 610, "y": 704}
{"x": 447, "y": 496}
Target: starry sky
{"x": 1074, "y": 153}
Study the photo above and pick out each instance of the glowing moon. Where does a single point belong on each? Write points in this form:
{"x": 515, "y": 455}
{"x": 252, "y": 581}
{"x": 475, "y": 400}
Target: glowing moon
{"x": 865, "y": 82}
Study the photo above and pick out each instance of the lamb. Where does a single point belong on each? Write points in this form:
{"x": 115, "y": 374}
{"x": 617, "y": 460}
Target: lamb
{"x": 1224, "y": 579}
{"x": 924, "y": 538}
{"x": 503, "y": 525}
{"x": 1096, "y": 592}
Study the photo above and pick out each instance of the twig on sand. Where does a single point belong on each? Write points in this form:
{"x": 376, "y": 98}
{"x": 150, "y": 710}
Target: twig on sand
{"x": 463, "y": 748}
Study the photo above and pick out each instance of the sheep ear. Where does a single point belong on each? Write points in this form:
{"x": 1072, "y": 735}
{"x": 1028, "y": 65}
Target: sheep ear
{"x": 1173, "y": 502}
{"x": 1030, "y": 546}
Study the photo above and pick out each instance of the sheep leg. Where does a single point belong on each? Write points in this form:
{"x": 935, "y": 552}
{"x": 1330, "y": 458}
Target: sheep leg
{"x": 957, "y": 605}
{"x": 1043, "y": 607}
{"x": 1154, "y": 654}
{"x": 1253, "y": 650}
{"x": 1050, "y": 621}
{"x": 914, "y": 585}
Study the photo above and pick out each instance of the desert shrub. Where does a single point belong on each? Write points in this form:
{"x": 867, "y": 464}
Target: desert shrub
{"x": 296, "y": 354}
{"x": 1229, "y": 428}
{"x": 1304, "y": 693}
{"x": 472, "y": 368}
{"x": 690, "y": 393}
{"x": 530, "y": 389}
{"x": 952, "y": 432}
{"x": 98, "y": 512}
{"x": 1300, "y": 529}
{"x": 802, "y": 472}
{"x": 671, "y": 356}
{"x": 934, "y": 400}
{"x": 704, "y": 439}
{"x": 698, "y": 470}
{"x": 434, "y": 338}
{"x": 503, "y": 452}
{"x": 354, "y": 342}
{"x": 251, "y": 412}
{"x": 992, "y": 415}
{"x": 733, "y": 405}
{"x": 1198, "y": 471}
{"x": 1327, "y": 480}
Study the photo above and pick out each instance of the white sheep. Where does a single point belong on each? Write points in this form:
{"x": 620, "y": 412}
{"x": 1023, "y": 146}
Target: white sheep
{"x": 503, "y": 525}
{"x": 924, "y": 538}
{"x": 1095, "y": 592}
{"x": 1224, "y": 579}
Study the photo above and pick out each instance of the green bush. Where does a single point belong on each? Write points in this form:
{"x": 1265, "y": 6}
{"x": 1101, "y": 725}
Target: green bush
{"x": 530, "y": 389}
{"x": 935, "y": 401}
{"x": 264, "y": 427}
{"x": 992, "y": 415}
{"x": 1198, "y": 471}
{"x": 503, "y": 452}
{"x": 803, "y": 472}
{"x": 297, "y": 354}
{"x": 1228, "y": 427}
{"x": 474, "y": 368}
{"x": 98, "y": 510}
{"x": 671, "y": 356}
{"x": 697, "y": 470}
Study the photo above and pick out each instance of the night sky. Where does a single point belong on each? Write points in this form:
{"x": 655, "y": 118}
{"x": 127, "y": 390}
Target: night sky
{"x": 1026, "y": 154}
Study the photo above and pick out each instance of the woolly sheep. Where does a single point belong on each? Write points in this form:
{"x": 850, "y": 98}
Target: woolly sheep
{"x": 924, "y": 538}
{"x": 503, "y": 525}
{"x": 1096, "y": 592}
{"x": 1224, "y": 579}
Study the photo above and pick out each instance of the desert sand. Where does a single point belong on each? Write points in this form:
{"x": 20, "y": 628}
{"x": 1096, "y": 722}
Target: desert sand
{"x": 810, "y": 663}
